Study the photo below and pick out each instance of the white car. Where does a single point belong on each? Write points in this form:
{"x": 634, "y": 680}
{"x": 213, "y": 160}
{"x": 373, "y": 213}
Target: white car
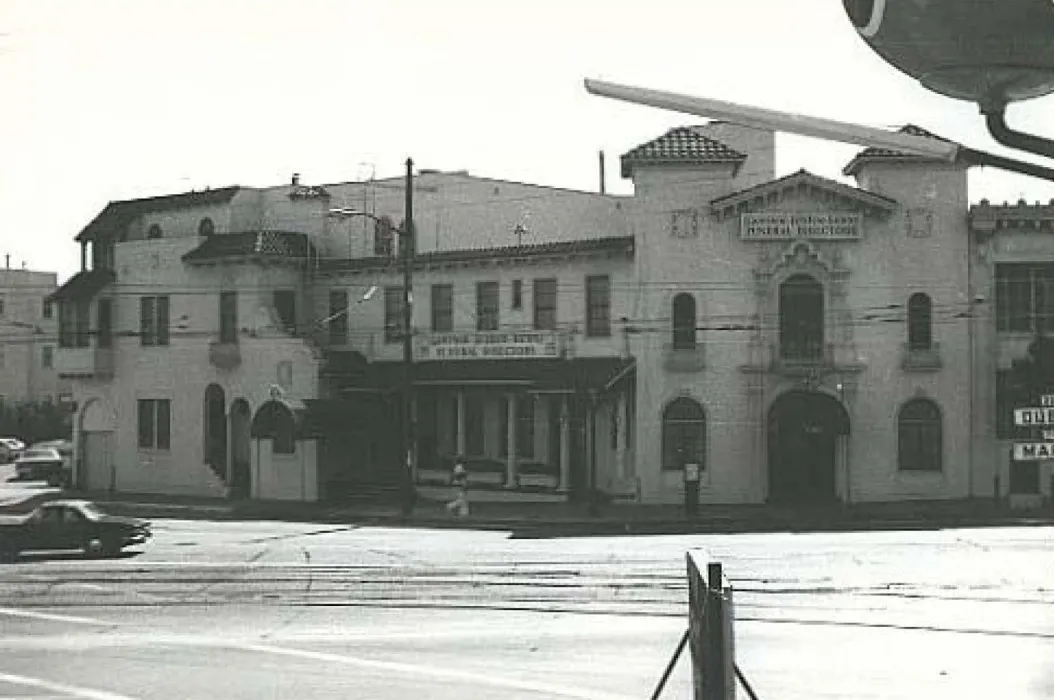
{"x": 41, "y": 464}
{"x": 10, "y": 449}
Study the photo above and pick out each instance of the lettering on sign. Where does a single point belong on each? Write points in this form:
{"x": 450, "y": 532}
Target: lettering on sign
{"x": 1033, "y": 416}
{"x": 1047, "y": 401}
{"x": 1032, "y": 451}
{"x": 786, "y": 226}
{"x": 488, "y": 346}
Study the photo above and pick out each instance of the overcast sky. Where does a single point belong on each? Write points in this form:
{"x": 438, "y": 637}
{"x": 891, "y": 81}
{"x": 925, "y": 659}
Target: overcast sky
{"x": 115, "y": 99}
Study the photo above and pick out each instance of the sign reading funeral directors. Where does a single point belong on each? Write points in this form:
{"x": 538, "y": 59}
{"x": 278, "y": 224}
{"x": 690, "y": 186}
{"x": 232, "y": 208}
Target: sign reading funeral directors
{"x": 488, "y": 346}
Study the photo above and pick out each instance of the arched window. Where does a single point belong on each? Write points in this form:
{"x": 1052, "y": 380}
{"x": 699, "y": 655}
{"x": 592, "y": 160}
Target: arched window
{"x": 214, "y": 428}
{"x": 683, "y": 434}
{"x": 920, "y": 322}
{"x": 275, "y": 420}
{"x": 206, "y": 228}
{"x": 684, "y": 322}
{"x": 154, "y": 232}
{"x": 801, "y": 318}
{"x": 920, "y": 443}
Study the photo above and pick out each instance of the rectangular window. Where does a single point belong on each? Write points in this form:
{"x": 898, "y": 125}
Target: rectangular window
{"x": 153, "y": 320}
{"x": 545, "y": 305}
{"x": 1024, "y": 297}
{"x": 47, "y": 357}
{"x": 525, "y": 426}
{"x": 104, "y": 314}
{"x": 517, "y": 294}
{"x": 48, "y": 309}
{"x": 474, "y": 425}
{"x": 285, "y": 309}
{"x": 393, "y": 314}
{"x": 598, "y": 306}
{"x": 228, "y": 317}
{"x": 82, "y": 325}
{"x": 486, "y": 306}
{"x": 66, "y": 324}
{"x": 338, "y": 316}
{"x": 154, "y": 421}
{"x": 442, "y": 308}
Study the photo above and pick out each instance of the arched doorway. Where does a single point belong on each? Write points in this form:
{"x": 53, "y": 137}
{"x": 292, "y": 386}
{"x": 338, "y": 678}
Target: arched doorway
{"x": 240, "y": 480}
{"x": 96, "y": 468}
{"x": 215, "y": 430}
{"x": 804, "y": 428}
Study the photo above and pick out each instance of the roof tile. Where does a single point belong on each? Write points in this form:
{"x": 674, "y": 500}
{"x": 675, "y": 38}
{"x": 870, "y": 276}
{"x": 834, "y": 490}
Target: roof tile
{"x": 272, "y": 244}
{"x": 118, "y": 214}
{"x": 683, "y": 144}
{"x": 873, "y": 153}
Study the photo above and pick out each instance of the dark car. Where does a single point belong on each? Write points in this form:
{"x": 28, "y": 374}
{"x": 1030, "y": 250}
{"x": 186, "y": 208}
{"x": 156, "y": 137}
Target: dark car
{"x": 42, "y": 464}
{"x": 70, "y": 524}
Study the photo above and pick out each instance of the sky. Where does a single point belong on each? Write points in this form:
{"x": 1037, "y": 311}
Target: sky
{"x": 116, "y": 99}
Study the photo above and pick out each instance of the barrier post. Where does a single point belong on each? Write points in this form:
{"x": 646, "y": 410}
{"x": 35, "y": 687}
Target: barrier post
{"x": 710, "y": 628}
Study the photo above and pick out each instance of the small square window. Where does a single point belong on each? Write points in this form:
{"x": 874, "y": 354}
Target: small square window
{"x": 919, "y": 223}
{"x": 684, "y": 223}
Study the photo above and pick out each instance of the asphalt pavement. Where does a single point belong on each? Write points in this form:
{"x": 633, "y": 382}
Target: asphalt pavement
{"x": 273, "y": 609}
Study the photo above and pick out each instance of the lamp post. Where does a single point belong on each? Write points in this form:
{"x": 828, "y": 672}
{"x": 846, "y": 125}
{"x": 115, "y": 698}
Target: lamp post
{"x": 406, "y": 252}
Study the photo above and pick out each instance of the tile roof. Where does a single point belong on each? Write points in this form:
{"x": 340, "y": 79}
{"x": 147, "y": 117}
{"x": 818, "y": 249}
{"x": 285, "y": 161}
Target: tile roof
{"x": 116, "y": 215}
{"x": 270, "y": 244}
{"x": 83, "y": 285}
{"x": 872, "y": 153}
{"x": 683, "y": 144}
{"x": 616, "y": 244}
{"x": 803, "y": 176}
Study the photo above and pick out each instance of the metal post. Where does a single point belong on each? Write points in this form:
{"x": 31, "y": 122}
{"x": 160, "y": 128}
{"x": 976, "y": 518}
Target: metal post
{"x": 409, "y": 475}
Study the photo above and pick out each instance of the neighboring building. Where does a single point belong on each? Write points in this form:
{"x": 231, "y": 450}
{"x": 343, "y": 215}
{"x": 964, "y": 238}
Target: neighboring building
{"x": 799, "y": 339}
{"x": 28, "y": 337}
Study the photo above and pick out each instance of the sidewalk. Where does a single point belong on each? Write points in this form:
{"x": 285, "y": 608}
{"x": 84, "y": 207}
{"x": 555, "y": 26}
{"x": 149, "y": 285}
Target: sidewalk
{"x": 574, "y": 519}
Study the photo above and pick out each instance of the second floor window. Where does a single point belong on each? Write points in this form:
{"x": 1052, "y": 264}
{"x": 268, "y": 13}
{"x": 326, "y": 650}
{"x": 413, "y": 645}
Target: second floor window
{"x": 393, "y": 314}
{"x": 285, "y": 309}
{"x": 920, "y": 322}
{"x": 517, "y": 294}
{"x": 47, "y": 357}
{"x": 1024, "y": 297}
{"x": 228, "y": 317}
{"x": 338, "y": 316}
{"x": 598, "y": 306}
{"x": 486, "y": 306}
{"x": 74, "y": 317}
{"x": 47, "y": 311}
{"x": 442, "y": 308}
{"x": 104, "y": 319}
{"x": 382, "y": 236}
{"x": 153, "y": 320}
{"x": 684, "y": 322}
{"x": 545, "y": 305}
{"x": 801, "y": 318}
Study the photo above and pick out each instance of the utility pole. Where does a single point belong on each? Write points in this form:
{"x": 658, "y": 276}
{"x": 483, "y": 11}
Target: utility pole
{"x": 408, "y": 244}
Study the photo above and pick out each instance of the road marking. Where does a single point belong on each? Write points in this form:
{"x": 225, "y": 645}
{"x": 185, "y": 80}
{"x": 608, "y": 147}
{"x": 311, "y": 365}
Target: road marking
{"x": 433, "y": 672}
{"x": 75, "y": 691}
{"x": 54, "y": 617}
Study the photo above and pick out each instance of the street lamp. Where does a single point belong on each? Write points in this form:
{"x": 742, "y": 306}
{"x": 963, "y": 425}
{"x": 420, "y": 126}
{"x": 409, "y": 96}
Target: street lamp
{"x": 406, "y": 252}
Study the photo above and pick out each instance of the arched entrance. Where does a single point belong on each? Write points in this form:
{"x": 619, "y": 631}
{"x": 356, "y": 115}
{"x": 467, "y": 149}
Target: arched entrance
{"x": 804, "y": 429}
{"x": 215, "y": 429}
{"x": 96, "y": 468}
{"x": 240, "y": 480}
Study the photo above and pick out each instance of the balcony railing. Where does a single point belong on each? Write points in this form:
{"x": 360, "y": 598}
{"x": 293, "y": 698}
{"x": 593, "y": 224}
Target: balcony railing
{"x": 84, "y": 363}
{"x": 921, "y": 359}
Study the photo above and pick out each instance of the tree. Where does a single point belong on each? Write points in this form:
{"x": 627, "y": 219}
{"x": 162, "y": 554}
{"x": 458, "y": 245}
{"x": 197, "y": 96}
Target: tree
{"x": 34, "y": 421}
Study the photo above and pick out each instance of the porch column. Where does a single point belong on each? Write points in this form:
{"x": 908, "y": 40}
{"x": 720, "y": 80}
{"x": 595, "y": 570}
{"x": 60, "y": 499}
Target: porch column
{"x": 621, "y": 434}
{"x": 565, "y": 445}
{"x": 510, "y": 458}
{"x": 460, "y": 440}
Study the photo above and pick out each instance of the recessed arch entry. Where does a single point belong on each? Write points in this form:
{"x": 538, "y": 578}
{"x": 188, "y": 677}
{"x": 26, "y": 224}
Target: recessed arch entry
{"x": 240, "y": 481}
{"x": 806, "y": 435}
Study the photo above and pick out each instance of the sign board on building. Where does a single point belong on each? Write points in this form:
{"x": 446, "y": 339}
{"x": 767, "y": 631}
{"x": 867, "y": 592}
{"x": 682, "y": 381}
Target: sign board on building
{"x": 1033, "y": 417}
{"x": 1032, "y": 451}
{"x": 488, "y": 346}
{"x": 1047, "y": 400}
{"x": 785, "y": 226}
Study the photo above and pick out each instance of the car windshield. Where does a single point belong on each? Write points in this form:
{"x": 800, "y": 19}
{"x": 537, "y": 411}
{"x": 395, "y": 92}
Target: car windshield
{"x": 41, "y": 453}
{"x": 91, "y": 510}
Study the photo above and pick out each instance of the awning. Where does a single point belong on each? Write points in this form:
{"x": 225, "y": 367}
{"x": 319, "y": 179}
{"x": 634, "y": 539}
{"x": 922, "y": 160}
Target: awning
{"x": 83, "y": 285}
{"x": 548, "y": 375}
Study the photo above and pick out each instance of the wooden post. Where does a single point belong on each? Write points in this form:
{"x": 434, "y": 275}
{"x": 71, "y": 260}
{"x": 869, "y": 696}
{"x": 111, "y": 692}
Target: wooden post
{"x": 710, "y": 633}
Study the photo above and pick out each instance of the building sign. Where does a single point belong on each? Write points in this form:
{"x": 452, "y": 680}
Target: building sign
{"x": 788, "y": 226}
{"x": 1032, "y": 417}
{"x": 488, "y": 346}
{"x": 1032, "y": 451}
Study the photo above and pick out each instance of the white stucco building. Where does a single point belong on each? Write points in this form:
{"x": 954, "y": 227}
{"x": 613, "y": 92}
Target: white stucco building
{"x": 800, "y": 339}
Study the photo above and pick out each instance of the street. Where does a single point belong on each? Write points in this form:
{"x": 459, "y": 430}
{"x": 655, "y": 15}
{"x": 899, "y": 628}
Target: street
{"x": 271, "y": 609}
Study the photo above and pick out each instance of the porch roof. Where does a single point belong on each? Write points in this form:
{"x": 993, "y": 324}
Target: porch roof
{"x": 546, "y": 375}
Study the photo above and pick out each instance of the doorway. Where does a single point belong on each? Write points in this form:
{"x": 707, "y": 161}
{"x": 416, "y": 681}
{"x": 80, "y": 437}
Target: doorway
{"x": 804, "y": 430}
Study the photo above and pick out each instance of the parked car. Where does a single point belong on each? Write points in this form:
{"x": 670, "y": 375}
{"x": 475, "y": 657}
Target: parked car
{"x": 10, "y": 449}
{"x": 64, "y": 447}
{"x": 70, "y": 524}
{"x": 42, "y": 464}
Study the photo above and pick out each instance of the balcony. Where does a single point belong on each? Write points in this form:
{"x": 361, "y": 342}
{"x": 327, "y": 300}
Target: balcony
{"x": 681, "y": 359}
{"x": 84, "y": 363}
{"x": 224, "y": 356}
{"x": 921, "y": 359}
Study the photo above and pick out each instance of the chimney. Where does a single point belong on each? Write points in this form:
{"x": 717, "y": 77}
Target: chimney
{"x": 603, "y": 179}
{"x": 296, "y": 178}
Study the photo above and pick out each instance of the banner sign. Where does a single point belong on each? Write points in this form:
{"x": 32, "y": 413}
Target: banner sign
{"x": 489, "y": 346}
{"x": 790, "y": 226}
{"x": 1032, "y": 451}
{"x": 1033, "y": 416}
